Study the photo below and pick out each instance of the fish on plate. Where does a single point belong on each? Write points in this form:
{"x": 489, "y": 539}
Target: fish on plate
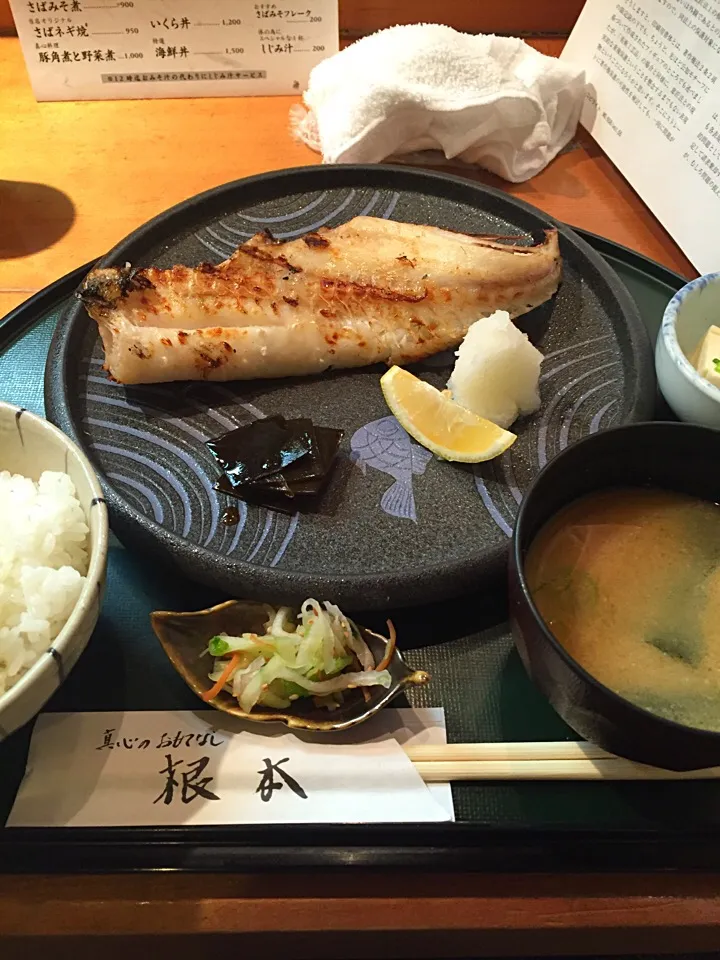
{"x": 383, "y": 445}
{"x": 368, "y": 291}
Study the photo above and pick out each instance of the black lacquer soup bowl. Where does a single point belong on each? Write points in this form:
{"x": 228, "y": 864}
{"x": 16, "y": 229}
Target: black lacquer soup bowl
{"x": 680, "y": 457}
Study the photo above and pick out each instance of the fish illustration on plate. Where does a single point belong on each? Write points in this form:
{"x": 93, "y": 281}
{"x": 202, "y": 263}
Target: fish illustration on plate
{"x": 385, "y": 446}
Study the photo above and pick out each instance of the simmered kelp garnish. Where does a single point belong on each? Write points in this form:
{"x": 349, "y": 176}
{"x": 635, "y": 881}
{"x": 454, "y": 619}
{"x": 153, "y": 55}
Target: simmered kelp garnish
{"x": 274, "y": 460}
{"x": 261, "y": 448}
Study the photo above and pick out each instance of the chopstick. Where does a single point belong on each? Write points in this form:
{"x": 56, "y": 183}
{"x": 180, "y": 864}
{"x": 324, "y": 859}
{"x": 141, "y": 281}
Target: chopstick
{"x": 561, "y": 760}
{"x": 474, "y": 752}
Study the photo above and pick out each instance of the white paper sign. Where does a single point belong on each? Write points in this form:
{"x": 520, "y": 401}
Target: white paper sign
{"x": 115, "y": 50}
{"x": 167, "y": 768}
{"x": 653, "y": 105}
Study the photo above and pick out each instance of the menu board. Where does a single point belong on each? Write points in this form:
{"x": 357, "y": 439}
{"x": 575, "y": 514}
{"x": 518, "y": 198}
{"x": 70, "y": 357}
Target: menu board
{"x": 133, "y": 49}
{"x": 653, "y": 105}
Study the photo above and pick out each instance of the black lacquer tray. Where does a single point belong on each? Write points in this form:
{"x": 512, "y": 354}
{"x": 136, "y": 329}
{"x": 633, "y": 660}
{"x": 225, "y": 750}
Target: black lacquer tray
{"x": 477, "y": 678}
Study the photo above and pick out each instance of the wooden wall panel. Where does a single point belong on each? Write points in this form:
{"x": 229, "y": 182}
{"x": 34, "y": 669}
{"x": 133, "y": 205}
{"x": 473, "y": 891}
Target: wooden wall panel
{"x": 358, "y": 17}
{"x": 6, "y": 18}
{"x": 519, "y": 17}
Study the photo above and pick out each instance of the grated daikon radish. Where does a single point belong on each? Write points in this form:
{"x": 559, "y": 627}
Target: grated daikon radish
{"x": 497, "y": 371}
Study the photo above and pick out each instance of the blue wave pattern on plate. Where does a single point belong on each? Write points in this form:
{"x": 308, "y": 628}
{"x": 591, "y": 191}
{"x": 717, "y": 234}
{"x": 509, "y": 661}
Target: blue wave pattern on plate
{"x": 575, "y": 384}
{"x": 174, "y": 485}
{"x": 580, "y": 391}
{"x": 324, "y": 210}
{"x": 374, "y": 539}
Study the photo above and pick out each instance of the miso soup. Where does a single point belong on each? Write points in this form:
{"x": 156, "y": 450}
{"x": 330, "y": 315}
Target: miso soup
{"x": 628, "y": 581}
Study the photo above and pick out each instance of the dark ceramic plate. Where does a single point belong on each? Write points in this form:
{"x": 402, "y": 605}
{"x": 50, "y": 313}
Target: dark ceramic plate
{"x": 395, "y": 526}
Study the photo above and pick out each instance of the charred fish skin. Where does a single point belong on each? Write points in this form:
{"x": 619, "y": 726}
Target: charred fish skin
{"x": 367, "y": 291}
{"x": 104, "y": 288}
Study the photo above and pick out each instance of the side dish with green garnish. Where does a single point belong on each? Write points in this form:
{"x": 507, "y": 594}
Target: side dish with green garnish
{"x": 319, "y": 654}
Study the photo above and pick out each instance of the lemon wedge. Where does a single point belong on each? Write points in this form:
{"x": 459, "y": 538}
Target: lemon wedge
{"x": 438, "y": 423}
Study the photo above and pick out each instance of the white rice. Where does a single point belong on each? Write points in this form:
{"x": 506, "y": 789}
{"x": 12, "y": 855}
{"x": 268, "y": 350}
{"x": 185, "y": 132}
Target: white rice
{"x": 43, "y": 562}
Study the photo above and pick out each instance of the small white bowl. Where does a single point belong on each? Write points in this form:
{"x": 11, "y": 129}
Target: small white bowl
{"x": 688, "y": 316}
{"x": 29, "y": 445}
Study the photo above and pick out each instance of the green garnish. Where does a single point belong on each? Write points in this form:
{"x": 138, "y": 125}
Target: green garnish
{"x": 318, "y": 653}
{"x": 682, "y": 647}
{"x": 291, "y": 689}
{"x": 716, "y": 364}
{"x": 217, "y": 647}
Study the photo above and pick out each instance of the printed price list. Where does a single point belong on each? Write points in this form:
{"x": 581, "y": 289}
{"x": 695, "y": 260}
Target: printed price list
{"x": 134, "y": 49}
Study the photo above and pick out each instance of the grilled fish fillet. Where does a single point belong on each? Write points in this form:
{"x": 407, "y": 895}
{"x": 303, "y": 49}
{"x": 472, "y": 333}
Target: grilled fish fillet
{"x": 367, "y": 291}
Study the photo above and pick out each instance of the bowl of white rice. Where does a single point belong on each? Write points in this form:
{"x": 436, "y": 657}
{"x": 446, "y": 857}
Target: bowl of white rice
{"x": 53, "y": 557}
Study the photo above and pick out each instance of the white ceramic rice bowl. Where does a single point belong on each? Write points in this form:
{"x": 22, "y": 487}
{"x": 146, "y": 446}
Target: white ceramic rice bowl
{"x": 29, "y": 445}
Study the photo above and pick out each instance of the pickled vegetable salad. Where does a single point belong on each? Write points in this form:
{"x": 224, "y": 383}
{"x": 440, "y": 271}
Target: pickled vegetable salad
{"x": 320, "y": 657}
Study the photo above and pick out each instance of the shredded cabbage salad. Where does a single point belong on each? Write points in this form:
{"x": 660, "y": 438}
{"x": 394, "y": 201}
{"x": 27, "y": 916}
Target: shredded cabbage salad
{"x": 319, "y": 654}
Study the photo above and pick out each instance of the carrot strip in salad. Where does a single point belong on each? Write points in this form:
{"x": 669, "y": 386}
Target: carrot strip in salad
{"x": 219, "y": 684}
{"x": 390, "y": 648}
{"x": 316, "y": 653}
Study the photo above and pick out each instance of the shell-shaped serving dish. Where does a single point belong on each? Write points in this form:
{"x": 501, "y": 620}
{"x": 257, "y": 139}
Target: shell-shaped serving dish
{"x": 185, "y": 636}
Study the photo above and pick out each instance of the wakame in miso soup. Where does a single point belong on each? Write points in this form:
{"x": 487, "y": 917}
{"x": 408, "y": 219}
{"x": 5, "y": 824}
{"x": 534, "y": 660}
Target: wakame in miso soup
{"x": 628, "y": 581}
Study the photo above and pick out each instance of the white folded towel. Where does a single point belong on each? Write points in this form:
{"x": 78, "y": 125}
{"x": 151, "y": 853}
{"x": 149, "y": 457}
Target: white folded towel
{"x": 487, "y": 100}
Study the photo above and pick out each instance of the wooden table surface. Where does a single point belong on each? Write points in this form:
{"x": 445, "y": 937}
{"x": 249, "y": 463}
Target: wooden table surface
{"x": 74, "y": 179}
